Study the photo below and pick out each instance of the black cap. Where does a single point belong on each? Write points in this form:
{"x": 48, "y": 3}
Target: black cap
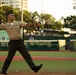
{"x": 9, "y": 12}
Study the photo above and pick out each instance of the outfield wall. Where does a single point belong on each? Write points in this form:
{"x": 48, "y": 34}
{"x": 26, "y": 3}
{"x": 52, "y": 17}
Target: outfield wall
{"x": 45, "y": 43}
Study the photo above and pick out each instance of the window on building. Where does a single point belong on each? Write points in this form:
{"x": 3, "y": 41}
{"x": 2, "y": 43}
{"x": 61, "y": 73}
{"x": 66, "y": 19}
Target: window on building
{"x": 3, "y": 3}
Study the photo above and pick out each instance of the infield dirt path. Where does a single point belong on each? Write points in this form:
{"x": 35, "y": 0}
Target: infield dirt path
{"x": 39, "y": 58}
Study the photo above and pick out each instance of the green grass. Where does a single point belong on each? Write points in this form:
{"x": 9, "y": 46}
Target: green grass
{"x": 48, "y": 65}
{"x": 45, "y": 53}
{"x": 54, "y": 54}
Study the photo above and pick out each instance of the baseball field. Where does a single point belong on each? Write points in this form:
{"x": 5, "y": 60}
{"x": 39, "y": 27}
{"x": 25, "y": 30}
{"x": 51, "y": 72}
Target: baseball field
{"x": 54, "y": 63}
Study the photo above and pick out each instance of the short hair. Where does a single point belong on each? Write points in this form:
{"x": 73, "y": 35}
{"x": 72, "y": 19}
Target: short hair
{"x": 9, "y": 12}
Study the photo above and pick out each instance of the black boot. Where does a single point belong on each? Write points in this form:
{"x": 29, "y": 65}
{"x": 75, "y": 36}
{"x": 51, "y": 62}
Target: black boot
{"x": 3, "y": 72}
{"x": 37, "y": 68}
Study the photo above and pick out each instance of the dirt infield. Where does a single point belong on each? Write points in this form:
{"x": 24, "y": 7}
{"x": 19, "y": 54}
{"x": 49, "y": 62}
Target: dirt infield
{"x": 39, "y": 58}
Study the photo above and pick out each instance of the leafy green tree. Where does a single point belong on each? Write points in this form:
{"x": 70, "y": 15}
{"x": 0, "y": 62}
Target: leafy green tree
{"x": 50, "y": 22}
{"x": 3, "y": 11}
{"x": 45, "y": 20}
{"x": 27, "y": 16}
{"x": 70, "y": 22}
{"x": 17, "y": 14}
{"x": 57, "y": 25}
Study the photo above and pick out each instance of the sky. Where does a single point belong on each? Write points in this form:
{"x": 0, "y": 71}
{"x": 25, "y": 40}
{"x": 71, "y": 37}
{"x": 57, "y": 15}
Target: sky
{"x": 57, "y": 8}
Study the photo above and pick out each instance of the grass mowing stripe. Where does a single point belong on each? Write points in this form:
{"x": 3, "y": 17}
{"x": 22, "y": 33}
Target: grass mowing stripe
{"x": 45, "y": 53}
{"x": 48, "y": 66}
{"x": 54, "y": 54}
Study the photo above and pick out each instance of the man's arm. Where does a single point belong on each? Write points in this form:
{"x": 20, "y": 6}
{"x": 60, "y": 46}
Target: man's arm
{"x": 26, "y": 25}
{"x": 2, "y": 26}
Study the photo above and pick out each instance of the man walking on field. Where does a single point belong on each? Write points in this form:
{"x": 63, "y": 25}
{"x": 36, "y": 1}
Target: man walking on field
{"x": 16, "y": 43}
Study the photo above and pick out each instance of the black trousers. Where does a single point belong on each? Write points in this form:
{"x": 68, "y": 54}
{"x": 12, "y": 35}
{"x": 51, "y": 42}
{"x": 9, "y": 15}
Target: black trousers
{"x": 13, "y": 46}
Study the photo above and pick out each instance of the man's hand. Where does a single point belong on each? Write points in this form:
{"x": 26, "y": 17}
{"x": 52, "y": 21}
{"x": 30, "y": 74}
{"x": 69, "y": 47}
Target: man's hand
{"x": 29, "y": 25}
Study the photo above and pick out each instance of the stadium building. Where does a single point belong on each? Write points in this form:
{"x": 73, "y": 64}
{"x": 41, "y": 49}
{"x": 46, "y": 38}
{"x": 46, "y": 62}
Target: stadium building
{"x": 14, "y": 3}
{"x": 74, "y": 4}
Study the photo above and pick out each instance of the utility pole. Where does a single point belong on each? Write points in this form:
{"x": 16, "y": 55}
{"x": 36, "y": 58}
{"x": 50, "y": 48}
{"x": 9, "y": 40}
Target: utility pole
{"x": 21, "y": 10}
{"x": 22, "y": 30}
{"x": 42, "y": 6}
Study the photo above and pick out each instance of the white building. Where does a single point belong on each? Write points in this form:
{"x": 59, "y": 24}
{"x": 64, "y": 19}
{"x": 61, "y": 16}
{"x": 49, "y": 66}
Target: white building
{"x": 4, "y": 2}
{"x": 14, "y": 3}
{"x": 74, "y": 4}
